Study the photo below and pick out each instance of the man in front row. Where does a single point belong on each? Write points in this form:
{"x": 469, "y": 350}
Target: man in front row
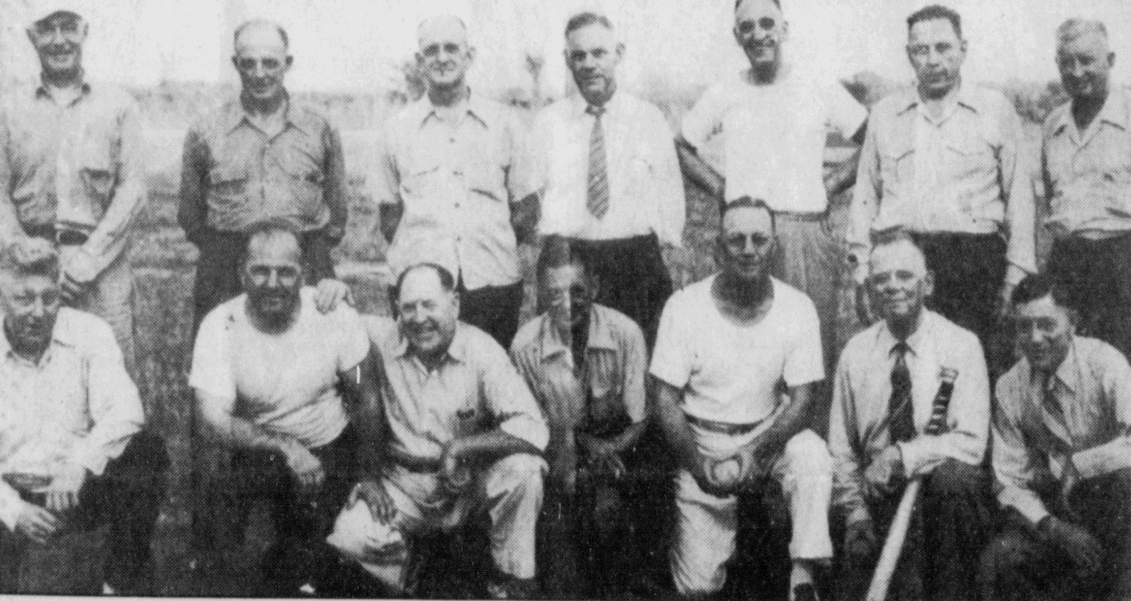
{"x": 886, "y": 381}
{"x": 269, "y": 371}
{"x": 72, "y": 454}
{"x": 735, "y": 365}
{"x": 464, "y": 435}
{"x": 1062, "y": 457}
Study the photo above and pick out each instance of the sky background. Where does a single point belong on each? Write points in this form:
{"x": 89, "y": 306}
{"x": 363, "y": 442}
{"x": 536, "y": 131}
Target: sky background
{"x": 355, "y": 45}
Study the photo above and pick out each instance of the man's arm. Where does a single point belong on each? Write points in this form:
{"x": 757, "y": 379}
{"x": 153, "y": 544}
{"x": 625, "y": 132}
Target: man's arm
{"x": 1116, "y": 453}
{"x": 524, "y": 219}
{"x": 1020, "y": 208}
{"x": 520, "y": 187}
{"x": 671, "y": 203}
{"x": 698, "y": 171}
{"x": 386, "y": 191}
{"x": 797, "y": 416}
{"x": 334, "y": 190}
{"x": 1015, "y": 464}
{"x": 521, "y": 426}
{"x": 361, "y": 386}
{"x": 846, "y": 448}
{"x": 865, "y": 205}
{"x": 193, "y": 209}
{"x": 10, "y": 229}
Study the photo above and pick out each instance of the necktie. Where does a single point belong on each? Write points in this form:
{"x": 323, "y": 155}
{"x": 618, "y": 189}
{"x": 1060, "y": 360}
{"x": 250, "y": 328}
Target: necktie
{"x": 598, "y": 198}
{"x": 902, "y": 423}
{"x": 1053, "y": 413}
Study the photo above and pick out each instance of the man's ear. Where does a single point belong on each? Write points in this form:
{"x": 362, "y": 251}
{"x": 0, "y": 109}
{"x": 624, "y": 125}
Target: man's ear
{"x": 290, "y": 61}
{"x": 928, "y": 284}
{"x": 471, "y": 54}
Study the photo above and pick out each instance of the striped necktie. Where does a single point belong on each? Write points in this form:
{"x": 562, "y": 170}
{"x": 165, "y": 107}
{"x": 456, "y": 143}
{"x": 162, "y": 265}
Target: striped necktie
{"x": 1052, "y": 412}
{"x": 597, "y": 199}
{"x": 902, "y": 425}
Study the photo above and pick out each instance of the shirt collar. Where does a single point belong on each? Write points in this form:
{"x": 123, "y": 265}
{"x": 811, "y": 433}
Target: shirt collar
{"x": 964, "y": 98}
{"x": 1114, "y": 112}
{"x": 580, "y": 105}
{"x": 886, "y": 341}
{"x": 1067, "y": 373}
{"x": 474, "y": 106}
{"x": 600, "y": 336}
{"x": 292, "y": 115}
{"x": 41, "y": 91}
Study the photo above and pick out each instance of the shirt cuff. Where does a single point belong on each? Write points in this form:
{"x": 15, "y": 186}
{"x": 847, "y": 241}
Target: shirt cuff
{"x": 1025, "y": 502}
{"x": 90, "y": 458}
{"x": 1102, "y": 460}
{"x": 912, "y": 453}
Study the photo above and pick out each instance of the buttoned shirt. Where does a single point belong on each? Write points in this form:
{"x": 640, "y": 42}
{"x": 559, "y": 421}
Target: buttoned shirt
{"x": 1087, "y": 174}
{"x": 474, "y": 389}
{"x": 76, "y": 406}
{"x": 645, "y": 184}
{"x": 610, "y": 384}
{"x": 774, "y": 135}
{"x": 960, "y": 173}
{"x": 457, "y": 181}
{"x": 859, "y": 423}
{"x": 76, "y": 166}
{"x": 235, "y": 175}
{"x": 1093, "y": 388}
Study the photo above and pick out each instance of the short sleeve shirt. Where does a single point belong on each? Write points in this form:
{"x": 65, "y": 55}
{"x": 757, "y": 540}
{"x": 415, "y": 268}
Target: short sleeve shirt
{"x": 774, "y": 136}
{"x": 285, "y": 383}
{"x": 732, "y": 373}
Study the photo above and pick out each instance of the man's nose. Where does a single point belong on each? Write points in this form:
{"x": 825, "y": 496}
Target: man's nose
{"x": 38, "y": 308}
{"x": 272, "y": 278}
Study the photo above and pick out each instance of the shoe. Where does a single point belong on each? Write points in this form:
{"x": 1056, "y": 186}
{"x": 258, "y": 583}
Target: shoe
{"x": 804, "y": 592}
{"x": 513, "y": 588}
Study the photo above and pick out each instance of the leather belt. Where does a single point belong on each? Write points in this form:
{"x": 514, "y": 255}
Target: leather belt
{"x": 62, "y": 237}
{"x": 723, "y": 427}
{"x": 800, "y": 216}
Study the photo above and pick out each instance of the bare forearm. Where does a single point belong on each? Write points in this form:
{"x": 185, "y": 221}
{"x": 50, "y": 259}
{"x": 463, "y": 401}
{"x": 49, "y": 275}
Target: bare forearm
{"x": 241, "y": 433}
{"x": 843, "y": 175}
{"x": 795, "y": 418}
{"x": 698, "y": 171}
{"x": 366, "y": 412}
{"x": 524, "y": 219}
{"x": 674, "y": 424}
{"x": 491, "y": 446}
{"x": 390, "y": 218}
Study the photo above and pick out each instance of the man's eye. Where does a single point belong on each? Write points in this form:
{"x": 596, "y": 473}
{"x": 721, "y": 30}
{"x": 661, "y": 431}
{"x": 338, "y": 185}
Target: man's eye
{"x": 767, "y": 23}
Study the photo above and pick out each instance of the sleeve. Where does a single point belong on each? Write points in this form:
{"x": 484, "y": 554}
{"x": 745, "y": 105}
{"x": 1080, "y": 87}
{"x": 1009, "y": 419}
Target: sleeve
{"x": 386, "y": 182}
{"x": 114, "y": 404}
{"x": 704, "y": 120}
{"x": 520, "y": 182}
{"x": 1115, "y": 454}
{"x": 805, "y": 362}
{"x": 1015, "y": 466}
{"x": 211, "y": 359}
{"x": 845, "y": 114}
{"x": 670, "y": 203}
{"x": 848, "y": 473}
{"x": 11, "y": 506}
{"x": 1017, "y": 192}
{"x": 865, "y": 203}
{"x": 509, "y": 399}
{"x": 968, "y": 416}
{"x": 635, "y": 359}
{"x": 334, "y": 185}
{"x": 540, "y": 153}
{"x": 109, "y": 238}
{"x": 673, "y": 355}
{"x": 193, "y": 210}
{"x": 355, "y": 341}
{"x": 9, "y": 221}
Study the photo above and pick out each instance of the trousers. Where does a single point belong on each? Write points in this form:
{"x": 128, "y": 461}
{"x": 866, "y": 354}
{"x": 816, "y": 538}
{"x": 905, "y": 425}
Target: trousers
{"x": 493, "y": 309}
{"x": 1097, "y": 277}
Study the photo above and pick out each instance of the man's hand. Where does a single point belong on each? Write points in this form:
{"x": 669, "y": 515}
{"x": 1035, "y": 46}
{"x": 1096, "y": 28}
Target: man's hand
{"x": 885, "y": 473}
{"x": 375, "y": 496}
{"x": 37, "y": 523}
{"x": 860, "y": 540}
{"x": 330, "y": 293}
{"x": 454, "y": 473}
{"x": 602, "y": 454}
{"x": 864, "y": 305}
{"x": 70, "y": 289}
{"x": 1084, "y": 550}
{"x": 305, "y": 466}
{"x": 63, "y": 492}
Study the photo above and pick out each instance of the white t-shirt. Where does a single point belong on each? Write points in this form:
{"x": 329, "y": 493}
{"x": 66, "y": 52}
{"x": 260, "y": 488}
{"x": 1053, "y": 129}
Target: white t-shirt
{"x": 285, "y": 383}
{"x": 733, "y": 373}
{"x": 774, "y": 136}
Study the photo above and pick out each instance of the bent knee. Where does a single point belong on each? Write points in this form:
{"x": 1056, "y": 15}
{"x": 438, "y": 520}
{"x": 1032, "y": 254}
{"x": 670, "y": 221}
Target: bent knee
{"x": 808, "y": 455}
{"x": 955, "y": 478}
{"x": 520, "y": 470}
{"x": 1005, "y": 554}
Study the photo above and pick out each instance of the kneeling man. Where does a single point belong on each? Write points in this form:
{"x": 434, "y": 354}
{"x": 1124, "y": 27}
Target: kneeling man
{"x": 886, "y": 383}
{"x": 463, "y": 434}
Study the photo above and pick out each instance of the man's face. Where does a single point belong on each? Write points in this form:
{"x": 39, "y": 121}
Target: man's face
{"x": 272, "y": 277}
{"x": 58, "y": 41}
{"x": 592, "y": 55}
{"x": 262, "y": 61}
{"x": 936, "y": 53}
{"x": 568, "y": 294}
{"x": 1085, "y": 66}
{"x": 760, "y": 29}
{"x": 899, "y": 282}
{"x": 426, "y": 313}
{"x": 1044, "y": 332}
{"x": 444, "y": 56}
{"x": 746, "y": 243}
{"x": 31, "y": 304}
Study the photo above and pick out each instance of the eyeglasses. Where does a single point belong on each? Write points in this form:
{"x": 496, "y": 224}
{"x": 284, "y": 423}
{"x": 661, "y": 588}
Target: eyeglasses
{"x": 737, "y": 242}
{"x": 286, "y": 275}
{"x": 68, "y": 28}
{"x": 765, "y": 24}
{"x": 249, "y": 64}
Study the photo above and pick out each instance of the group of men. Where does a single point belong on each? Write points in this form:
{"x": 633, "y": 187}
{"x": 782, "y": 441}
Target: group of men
{"x": 366, "y": 433}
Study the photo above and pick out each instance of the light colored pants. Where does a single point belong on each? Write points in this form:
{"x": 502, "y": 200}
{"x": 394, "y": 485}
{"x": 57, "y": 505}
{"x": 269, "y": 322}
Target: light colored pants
{"x": 810, "y": 259}
{"x": 706, "y": 525}
{"x": 510, "y": 491}
{"x": 111, "y": 298}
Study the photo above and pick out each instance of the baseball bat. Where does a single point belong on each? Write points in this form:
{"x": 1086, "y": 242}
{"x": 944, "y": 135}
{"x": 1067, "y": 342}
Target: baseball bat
{"x": 897, "y": 534}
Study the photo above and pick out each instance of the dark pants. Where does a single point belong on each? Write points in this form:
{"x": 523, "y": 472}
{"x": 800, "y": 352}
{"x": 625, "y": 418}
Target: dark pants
{"x": 299, "y": 521}
{"x": 969, "y": 274}
{"x": 128, "y": 497}
{"x": 948, "y": 531}
{"x": 1097, "y": 277}
{"x": 493, "y": 309}
{"x": 631, "y": 277}
{"x": 1019, "y": 565}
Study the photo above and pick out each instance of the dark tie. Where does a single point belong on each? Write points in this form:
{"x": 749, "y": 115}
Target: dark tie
{"x": 902, "y": 413}
{"x": 598, "y": 198}
{"x": 1053, "y": 413}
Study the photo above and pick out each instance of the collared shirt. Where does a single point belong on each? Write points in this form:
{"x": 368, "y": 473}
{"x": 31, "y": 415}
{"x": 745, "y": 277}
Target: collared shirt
{"x": 76, "y": 167}
{"x": 610, "y": 385}
{"x": 474, "y": 389}
{"x": 234, "y": 175}
{"x": 284, "y": 382}
{"x": 457, "y": 182}
{"x": 645, "y": 184}
{"x": 1087, "y": 174}
{"x": 961, "y": 173}
{"x": 858, "y": 423}
{"x": 1093, "y": 387}
{"x": 76, "y": 406}
{"x": 735, "y": 373}
{"x": 774, "y": 136}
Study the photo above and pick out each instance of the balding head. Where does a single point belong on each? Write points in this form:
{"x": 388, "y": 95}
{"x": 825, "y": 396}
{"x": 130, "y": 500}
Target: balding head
{"x": 447, "y": 27}
{"x": 445, "y": 54}
{"x": 899, "y": 281}
{"x": 261, "y": 32}
{"x": 262, "y": 60}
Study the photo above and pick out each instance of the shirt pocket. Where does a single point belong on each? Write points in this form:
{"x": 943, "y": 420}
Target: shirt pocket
{"x": 897, "y": 163}
{"x": 305, "y": 178}
{"x": 98, "y": 180}
{"x": 486, "y": 174}
{"x": 227, "y": 184}
{"x": 969, "y": 154}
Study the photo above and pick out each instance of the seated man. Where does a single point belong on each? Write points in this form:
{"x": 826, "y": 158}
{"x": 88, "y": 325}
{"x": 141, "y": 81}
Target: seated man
{"x": 72, "y": 453}
{"x": 735, "y": 364}
{"x": 1062, "y": 457}
{"x": 463, "y": 434}
{"x": 585, "y": 364}
{"x": 886, "y": 383}
{"x": 269, "y": 373}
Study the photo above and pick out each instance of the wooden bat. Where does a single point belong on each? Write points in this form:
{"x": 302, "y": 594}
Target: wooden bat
{"x": 897, "y": 534}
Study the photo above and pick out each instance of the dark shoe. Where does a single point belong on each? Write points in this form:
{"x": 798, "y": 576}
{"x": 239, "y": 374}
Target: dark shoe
{"x": 804, "y": 592}
{"x": 513, "y": 588}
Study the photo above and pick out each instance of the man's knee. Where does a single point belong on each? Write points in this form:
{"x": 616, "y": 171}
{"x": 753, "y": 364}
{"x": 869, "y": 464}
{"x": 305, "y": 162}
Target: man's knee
{"x": 806, "y": 454}
{"x": 955, "y": 479}
{"x": 1006, "y": 556}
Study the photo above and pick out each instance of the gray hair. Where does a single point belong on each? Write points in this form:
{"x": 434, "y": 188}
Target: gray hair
{"x": 35, "y": 257}
{"x": 1075, "y": 28}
